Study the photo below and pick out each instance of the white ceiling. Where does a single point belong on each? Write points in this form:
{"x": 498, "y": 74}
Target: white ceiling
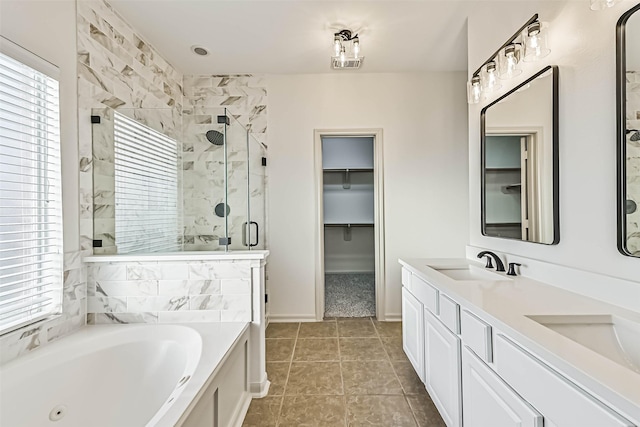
{"x": 296, "y": 36}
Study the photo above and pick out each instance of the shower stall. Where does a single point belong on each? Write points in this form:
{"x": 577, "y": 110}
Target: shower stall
{"x": 166, "y": 180}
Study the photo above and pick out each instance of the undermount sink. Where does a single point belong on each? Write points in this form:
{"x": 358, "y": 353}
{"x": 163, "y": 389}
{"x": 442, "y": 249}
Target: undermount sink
{"x": 469, "y": 272}
{"x": 611, "y": 336}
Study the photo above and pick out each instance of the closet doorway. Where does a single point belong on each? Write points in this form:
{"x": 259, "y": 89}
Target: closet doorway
{"x": 350, "y": 226}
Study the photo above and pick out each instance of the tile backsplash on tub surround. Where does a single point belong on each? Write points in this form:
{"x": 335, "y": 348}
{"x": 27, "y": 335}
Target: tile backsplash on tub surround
{"x": 72, "y": 317}
{"x": 168, "y": 292}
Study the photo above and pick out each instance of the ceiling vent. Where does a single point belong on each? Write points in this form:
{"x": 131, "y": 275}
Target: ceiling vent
{"x": 349, "y": 64}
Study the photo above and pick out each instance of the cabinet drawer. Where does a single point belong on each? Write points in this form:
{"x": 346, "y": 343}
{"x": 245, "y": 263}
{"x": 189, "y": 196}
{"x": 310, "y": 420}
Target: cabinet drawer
{"x": 450, "y": 313}
{"x": 477, "y": 335}
{"x": 426, "y": 294}
{"x": 566, "y": 405}
{"x": 489, "y": 401}
{"x": 406, "y": 277}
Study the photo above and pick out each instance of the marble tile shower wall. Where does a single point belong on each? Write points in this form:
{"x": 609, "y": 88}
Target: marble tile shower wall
{"x": 206, "y": 97}
{"x": 633, "y": 161}
{"x": 165, "y": 121}
{"x": 167, "y": 292}
{"x": 73, "y": 313}
{"x": 116, "y": 69}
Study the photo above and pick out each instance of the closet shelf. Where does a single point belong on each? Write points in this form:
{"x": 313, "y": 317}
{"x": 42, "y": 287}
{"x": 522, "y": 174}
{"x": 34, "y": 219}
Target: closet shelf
{"x": 502, "y": 169}
{"x": 349, "y": 224}
{"x": 348, "y": 170}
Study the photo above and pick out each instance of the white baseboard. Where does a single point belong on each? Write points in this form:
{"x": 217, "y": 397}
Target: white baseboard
{"x": 349, "y": 271}
{"x": 393, "y": 317}
{"x": 260, "y": 390}
{"x": 281, "y": 318}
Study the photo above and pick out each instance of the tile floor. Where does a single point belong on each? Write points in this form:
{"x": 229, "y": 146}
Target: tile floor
{"x": 343, "y": 373}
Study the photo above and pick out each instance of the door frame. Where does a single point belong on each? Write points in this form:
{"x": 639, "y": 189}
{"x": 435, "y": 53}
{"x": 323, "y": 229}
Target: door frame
{"x": 378, "y": 196}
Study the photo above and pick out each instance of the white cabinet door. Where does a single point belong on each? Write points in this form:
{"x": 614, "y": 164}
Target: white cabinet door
{"x": 412, "y": 331}
{"x": 489, "y": 401}
{"x": 442, "y": 369}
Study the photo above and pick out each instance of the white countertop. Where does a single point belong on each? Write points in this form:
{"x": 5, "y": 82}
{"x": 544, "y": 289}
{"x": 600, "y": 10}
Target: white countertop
{"x": 505, "y": 305}
{"x": 180, "y": 256}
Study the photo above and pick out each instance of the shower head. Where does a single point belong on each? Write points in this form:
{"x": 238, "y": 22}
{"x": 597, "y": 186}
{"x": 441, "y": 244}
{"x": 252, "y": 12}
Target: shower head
{"x": 215, "y": 137}
{"x": 635, "y": 136}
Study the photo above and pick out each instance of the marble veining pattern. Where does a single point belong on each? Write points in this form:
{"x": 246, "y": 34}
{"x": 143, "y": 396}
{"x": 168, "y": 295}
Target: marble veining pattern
{"x": 117, "y": 69}
{"x": 206, "y": 97}
{"x": 633, "y": 162}
{"x": 72, "y": 313}
{"x": 164, "y": 292}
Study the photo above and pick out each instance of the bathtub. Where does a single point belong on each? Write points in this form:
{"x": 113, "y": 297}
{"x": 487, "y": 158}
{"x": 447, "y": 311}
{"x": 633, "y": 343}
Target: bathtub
{"x": 127, "y": 376}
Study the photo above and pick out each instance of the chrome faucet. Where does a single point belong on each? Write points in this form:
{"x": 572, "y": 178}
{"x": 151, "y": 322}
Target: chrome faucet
{"x": 489, "y": 255}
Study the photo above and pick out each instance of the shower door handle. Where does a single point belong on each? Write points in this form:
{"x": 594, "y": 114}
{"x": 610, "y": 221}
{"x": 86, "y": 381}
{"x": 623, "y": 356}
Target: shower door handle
{"x": 246, "y": 229}
{"x": 257, "y": 234}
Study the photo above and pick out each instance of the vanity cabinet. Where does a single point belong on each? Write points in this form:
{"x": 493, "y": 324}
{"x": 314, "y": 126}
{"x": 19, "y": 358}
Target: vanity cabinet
{"x": 489, "y": 401}
{"x": 413, "y": 331}
{"x": 477, "y": 376}
{"x": 568, "y": 405}
{"x": 442, "y": 369}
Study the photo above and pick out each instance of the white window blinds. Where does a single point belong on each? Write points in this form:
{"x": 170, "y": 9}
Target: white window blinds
{"x": 146, "y": 179}
{"x": 30, "y": 196}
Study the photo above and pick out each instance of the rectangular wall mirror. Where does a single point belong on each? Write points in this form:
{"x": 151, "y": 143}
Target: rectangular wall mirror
{"x": 628, "y": 118}
{"x": 519, "y": 151}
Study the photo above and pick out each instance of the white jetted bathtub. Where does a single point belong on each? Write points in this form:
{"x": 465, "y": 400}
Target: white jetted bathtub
{"x": 129, "y": 376}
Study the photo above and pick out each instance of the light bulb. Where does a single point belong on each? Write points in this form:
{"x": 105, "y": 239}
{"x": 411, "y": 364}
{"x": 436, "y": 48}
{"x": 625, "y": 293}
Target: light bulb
{"x": 508, "y": 61}
{"x": 535, "y": 42}
{"x": 474, "y": 90}
{"x": 337, "y": 45}
{"x": 356, "y": 47}
{"x": 491, "y": 75}
{"x": 343, "y": 56}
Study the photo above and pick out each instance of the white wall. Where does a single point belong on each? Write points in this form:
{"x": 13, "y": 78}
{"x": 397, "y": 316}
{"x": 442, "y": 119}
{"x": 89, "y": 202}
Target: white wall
{"x": 48, "y": 29}
{"x": 424, "y": 126}
{"x": 583, "y": 46}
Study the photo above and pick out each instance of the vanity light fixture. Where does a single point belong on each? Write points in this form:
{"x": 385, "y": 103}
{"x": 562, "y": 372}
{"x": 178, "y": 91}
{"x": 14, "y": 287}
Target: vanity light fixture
{"x": 529, "y": 43}
{"x": 346, "y": 51}
{"x": 535, "y": 42}
{"x": 474, "y": 90}
{"x": 509, "y": 61}
{"x": 603, "y": 4}
{"x": 489, "y": 77}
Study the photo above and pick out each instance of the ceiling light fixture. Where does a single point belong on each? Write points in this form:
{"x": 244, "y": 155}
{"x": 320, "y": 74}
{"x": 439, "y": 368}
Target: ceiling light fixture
{"x": 346, "y": 51}
{"x": 529, "y": 43}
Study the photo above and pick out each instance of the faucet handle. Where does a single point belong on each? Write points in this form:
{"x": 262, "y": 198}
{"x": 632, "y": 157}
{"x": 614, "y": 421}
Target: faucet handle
{"x": 512, "y": 270}
{"x": 489, "y": 262}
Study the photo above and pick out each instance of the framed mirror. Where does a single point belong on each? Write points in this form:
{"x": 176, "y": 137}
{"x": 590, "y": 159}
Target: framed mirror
{"x": 519, "y": 152}
{"x": 628, "y": 126}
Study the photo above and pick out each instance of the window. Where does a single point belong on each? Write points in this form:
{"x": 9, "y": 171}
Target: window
{"x": 146, "y": 182}
{"x": 30, "y": 202}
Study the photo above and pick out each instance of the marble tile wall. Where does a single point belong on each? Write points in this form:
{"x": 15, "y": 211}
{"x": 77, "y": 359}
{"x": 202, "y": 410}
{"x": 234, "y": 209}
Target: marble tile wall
{"x": 116, "y": 69}
{"x": 166, "y": 121}
{"x": 205, "y": 97}
{"x": 167, "y": 292}
{"x": 633, "y": 161}
{"x": 71, "y": 318}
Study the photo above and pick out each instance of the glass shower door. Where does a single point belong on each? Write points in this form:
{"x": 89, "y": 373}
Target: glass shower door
{"x": 257, "y": 154}
{"x": 237, "y": 177}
